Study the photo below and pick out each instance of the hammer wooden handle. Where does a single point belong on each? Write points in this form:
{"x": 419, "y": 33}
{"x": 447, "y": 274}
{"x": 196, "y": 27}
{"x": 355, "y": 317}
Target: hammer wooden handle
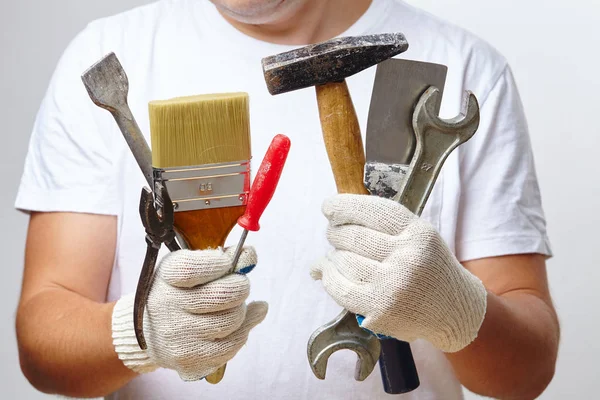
{"x": 344, "y": 146}
{"x": 341, "y": 133}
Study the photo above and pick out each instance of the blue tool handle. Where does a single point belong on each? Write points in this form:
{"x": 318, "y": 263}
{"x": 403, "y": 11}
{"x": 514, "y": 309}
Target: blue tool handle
{"x": 397, "y": 365}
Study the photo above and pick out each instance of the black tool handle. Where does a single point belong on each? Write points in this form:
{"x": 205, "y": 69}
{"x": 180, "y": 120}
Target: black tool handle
{"x": 397, "y": 365}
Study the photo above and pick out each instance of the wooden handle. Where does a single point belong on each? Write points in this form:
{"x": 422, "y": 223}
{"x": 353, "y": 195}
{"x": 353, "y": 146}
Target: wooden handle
{"x": 341, "y": 133}
{"x": 207, "y": 229}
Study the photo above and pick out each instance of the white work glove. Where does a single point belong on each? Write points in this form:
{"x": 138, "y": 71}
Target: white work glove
{"x": 395, "y": 270}
{"x": 196, "y": 317}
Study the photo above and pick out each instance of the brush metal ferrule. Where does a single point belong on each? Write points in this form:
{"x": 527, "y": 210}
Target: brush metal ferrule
{"x": 207, "y": 186}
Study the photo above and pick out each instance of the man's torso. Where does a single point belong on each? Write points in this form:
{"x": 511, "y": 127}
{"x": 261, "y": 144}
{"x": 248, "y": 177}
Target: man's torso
{"x": 178, "y": 48}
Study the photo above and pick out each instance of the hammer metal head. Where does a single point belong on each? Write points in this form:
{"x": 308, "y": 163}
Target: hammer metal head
{"x": 330, "y": 61}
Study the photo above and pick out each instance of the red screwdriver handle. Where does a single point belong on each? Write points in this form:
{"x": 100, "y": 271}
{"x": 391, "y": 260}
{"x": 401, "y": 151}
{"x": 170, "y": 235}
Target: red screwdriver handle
{"x": 265, "y": 182}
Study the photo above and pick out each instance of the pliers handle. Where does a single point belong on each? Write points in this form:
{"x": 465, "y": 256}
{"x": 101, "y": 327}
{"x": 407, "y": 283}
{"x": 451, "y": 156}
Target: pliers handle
{"x": 159, "y": 230}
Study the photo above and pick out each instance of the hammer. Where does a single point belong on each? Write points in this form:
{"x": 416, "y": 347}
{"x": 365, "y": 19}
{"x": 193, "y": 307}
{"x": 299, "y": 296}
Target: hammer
{"x": 326, "y": 66}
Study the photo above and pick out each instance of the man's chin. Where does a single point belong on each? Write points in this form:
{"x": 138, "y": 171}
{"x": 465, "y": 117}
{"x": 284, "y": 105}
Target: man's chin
{"x": 255, "y": 11}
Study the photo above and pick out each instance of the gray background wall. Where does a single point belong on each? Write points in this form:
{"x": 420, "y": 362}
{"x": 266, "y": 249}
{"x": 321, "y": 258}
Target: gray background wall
{"x": 553, "y": 47}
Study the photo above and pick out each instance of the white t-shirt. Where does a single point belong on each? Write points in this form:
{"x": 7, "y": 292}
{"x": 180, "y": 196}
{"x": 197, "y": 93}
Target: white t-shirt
{"x": 486, "y": 201}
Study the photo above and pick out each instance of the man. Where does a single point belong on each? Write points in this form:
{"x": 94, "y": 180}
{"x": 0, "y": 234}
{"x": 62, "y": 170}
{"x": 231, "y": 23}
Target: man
{"x": 487, "y": 322}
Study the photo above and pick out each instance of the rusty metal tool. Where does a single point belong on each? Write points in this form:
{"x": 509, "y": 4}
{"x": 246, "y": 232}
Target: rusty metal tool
{"x": 159, "y": 230}
{"x": 390, "y": 146}
{"x": 108, "y": 86}
{"x": 326, "y": 66}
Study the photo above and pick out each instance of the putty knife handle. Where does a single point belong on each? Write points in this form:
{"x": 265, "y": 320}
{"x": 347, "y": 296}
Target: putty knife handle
{"x": 397, "y": 365}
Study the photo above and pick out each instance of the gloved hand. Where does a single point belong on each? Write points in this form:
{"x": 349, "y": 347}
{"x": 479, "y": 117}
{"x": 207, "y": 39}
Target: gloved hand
{"x": 196, "y": 317}
{"x": 395, "y": 270}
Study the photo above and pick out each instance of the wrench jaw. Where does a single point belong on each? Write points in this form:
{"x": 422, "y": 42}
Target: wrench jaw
{"x": 462, "y": 127}
{"x": 436, "y": 138}
{"x": 343, "y": 333}
{"x": 469, "y": 115}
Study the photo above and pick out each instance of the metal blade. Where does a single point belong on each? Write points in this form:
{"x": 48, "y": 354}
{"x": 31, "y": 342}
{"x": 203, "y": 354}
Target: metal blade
{"x": 108, "y": 87}
{"x": 390, "y": 142}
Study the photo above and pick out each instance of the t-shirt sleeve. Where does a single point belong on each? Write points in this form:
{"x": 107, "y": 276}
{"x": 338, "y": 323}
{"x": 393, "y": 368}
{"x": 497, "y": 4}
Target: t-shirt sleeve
{"x": 500, "y": 210}
{"x": 68, "y": 167}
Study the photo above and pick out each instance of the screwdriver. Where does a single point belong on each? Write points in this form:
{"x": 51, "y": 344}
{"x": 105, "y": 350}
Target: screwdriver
{"x": 262, "y": 189}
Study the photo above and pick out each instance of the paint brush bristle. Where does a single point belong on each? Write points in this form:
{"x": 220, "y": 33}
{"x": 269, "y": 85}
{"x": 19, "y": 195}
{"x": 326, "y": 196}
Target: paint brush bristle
{"x": 199, "y": 130}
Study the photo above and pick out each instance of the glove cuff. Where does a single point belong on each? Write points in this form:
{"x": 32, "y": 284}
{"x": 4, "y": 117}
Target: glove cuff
{"x": 124, "y": 340}
{"x": 476, "y": 308}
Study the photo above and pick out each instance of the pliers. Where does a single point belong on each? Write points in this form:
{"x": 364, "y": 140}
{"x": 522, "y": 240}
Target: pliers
{"x": 157, "y": 213}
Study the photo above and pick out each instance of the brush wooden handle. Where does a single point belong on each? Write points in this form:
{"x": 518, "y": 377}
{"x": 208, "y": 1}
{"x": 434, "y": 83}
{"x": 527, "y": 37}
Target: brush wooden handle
{"x": 343, "y": 142}
{"x": 208, "y": 229}
{"x": 341, "y": 133}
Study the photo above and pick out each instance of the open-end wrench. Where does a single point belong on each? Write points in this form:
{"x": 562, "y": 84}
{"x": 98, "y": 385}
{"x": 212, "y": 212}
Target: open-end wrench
{"x": 436, "y": 138}
{"x": 343, "y": 333}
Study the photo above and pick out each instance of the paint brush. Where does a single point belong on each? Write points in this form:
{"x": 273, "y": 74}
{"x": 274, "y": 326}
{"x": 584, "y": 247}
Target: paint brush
{"x": 201, "y": 153}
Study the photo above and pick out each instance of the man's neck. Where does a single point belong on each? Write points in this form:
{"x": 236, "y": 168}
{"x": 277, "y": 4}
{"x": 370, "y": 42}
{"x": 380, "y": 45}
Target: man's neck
{"x": 314, "y": 22}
